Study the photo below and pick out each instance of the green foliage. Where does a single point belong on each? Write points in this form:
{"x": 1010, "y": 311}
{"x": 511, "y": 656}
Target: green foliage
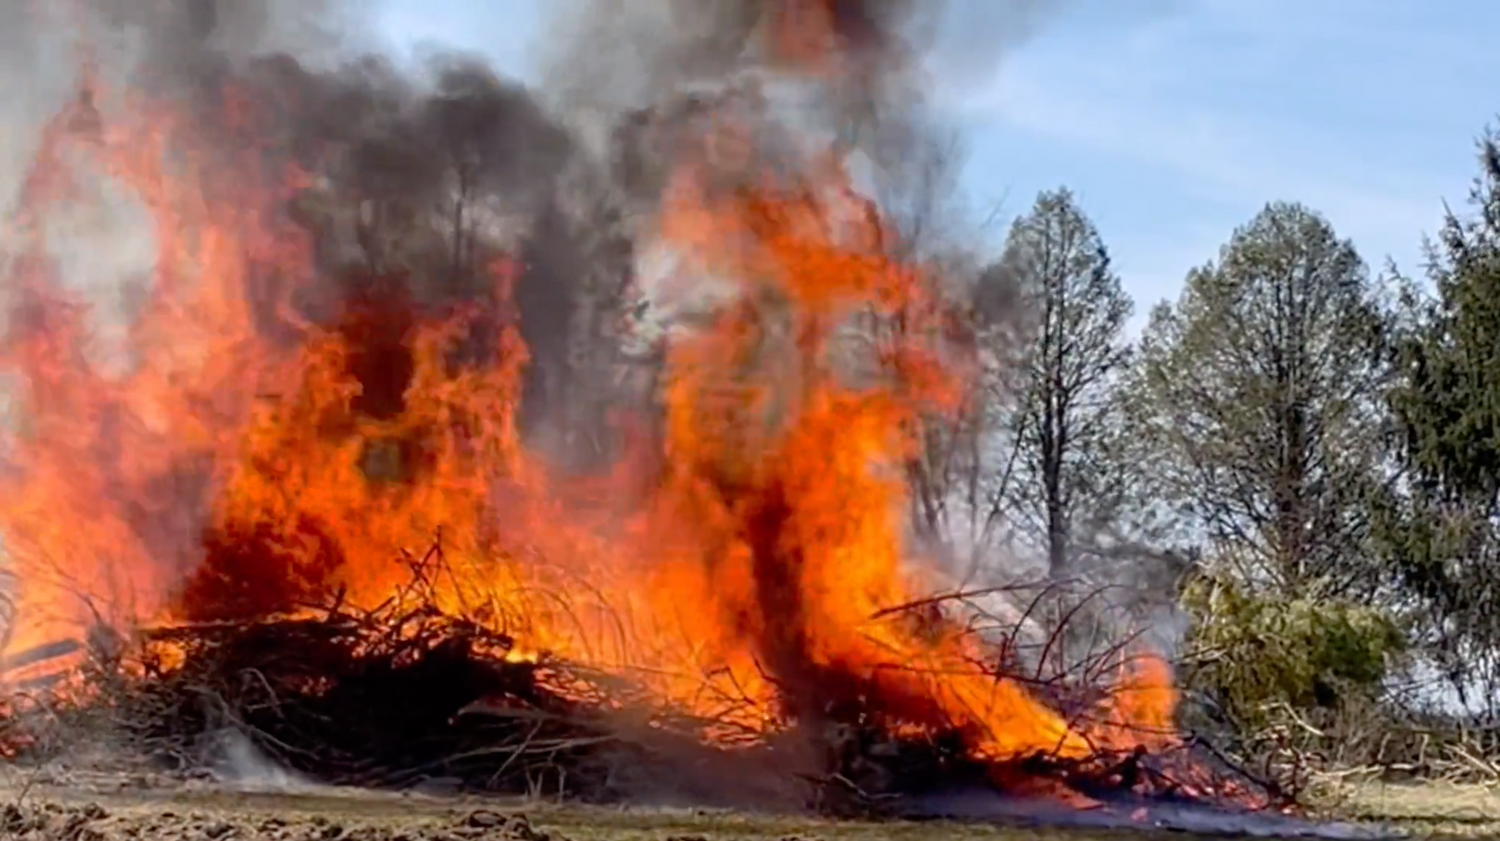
{"x": 1442, "y": 535}
{"x": 1257, "y": 654}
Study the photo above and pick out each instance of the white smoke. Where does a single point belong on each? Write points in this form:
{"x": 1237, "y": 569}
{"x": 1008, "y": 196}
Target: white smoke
{"x": 240, "y": 765}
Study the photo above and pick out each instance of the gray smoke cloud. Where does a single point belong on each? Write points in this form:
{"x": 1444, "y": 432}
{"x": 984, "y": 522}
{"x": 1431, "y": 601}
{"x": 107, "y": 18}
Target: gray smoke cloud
{"x": 416, "y": 169}
{"x": 568, "y": 173}
{"x": 416, "y": 166}
{"x": 617, "y": 72}
{"x": 417, "y": 175}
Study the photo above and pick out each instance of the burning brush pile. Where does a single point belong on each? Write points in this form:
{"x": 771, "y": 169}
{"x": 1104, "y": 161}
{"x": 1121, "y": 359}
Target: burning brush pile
{"x": 296, "y": 502}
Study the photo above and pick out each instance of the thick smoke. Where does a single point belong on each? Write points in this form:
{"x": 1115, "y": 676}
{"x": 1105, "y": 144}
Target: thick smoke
{"x": 423, "y": 175}
{"x": 649, "y": 78}
{"x": 420, "y": 176}
{"x": 644, "y": 83}
{"x": 627, "y": 70}
{"x": 420, "y": 170}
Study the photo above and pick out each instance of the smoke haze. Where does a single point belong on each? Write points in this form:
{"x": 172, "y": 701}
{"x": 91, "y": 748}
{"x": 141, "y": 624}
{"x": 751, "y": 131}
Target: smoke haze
{"x": 417, "y": 167}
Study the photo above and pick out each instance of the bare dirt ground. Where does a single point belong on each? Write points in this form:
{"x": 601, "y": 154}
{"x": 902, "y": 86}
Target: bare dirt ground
{"x": 107, "y": 811}
{"x": 79, "y": 806}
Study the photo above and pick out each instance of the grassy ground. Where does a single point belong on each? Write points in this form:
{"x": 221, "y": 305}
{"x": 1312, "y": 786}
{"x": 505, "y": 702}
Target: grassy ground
{"x": 1423, "y": 808}
{"x": 81, "y": 809}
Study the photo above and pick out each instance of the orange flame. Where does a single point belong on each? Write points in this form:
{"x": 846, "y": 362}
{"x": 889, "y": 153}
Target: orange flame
{"x": 250, "y": 462}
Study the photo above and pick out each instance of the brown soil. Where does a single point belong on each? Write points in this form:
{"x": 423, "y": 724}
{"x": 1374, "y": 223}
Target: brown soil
{"x": 51, "y": 821}
{"x": 81, "y": 806}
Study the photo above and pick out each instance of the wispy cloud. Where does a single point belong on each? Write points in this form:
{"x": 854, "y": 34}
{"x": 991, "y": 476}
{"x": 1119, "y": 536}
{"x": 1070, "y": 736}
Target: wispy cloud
{"x": 1364, "y": 110}
{"x": 1175, "y": 120}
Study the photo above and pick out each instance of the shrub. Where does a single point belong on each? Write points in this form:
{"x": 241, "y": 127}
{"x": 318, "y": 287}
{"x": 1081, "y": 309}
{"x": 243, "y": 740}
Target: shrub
{"x": 1258, "y": 657}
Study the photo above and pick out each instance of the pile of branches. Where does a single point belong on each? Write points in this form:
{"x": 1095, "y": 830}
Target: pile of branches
{"x": 393, "y": 698}
{"x": 405, "y": 695}
{"x": 870, "y": 770}
{"x": 873, "y": 773}
{"x": 1383, "y": 738}
{"x": 372, "y": 700}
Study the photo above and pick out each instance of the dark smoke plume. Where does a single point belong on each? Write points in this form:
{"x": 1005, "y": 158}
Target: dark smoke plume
{"x": 420, "y": 177}
{"x": 424, "y": 174}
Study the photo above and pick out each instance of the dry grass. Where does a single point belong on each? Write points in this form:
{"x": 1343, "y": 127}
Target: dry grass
{"x": 1422, "y": 808}
{"x": 118, "y": 807}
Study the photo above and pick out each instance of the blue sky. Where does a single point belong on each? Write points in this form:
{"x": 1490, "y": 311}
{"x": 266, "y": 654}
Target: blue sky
{"x": 1176, "y": 120}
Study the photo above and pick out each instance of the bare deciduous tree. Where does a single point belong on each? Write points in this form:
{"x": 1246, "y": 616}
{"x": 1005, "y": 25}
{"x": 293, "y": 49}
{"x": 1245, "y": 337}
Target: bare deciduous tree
{"x": 1261, "y": 389}
{"x": 1067, "y": 425}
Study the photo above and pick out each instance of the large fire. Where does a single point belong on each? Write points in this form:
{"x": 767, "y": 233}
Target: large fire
{"x": 246, "y": 461}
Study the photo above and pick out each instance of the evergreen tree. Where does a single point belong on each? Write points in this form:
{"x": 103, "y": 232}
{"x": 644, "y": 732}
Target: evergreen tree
{"x": 1444, "y": 531}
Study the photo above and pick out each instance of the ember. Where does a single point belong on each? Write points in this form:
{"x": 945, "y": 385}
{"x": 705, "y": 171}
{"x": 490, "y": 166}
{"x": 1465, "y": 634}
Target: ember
{"x": 318, "y": 524}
